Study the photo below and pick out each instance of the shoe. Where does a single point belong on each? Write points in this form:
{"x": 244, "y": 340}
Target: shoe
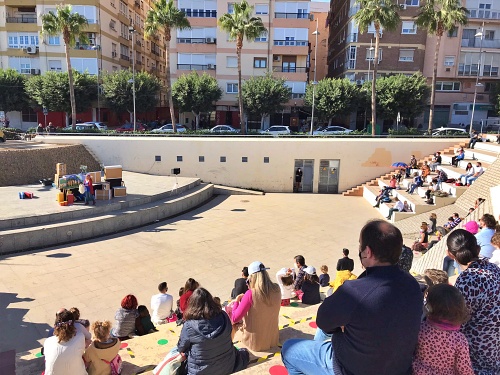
{"x": 388, "y": 218}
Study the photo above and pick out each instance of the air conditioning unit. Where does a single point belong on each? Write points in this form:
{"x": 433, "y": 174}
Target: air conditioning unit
{"x": 276, "y": 58}
{"x": 402, "y": 6}
{"x": 35, "y": 72}
{"x": 210, "y": 40}
{"x": 112, "y": 25}
{"x": 31, "y": 50}
{"x": 448, "y": 69}
{"x": 359, "y": 82}
{"x": 211, "y": 67}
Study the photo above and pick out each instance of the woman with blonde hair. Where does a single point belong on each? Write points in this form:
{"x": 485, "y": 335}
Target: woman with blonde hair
{"x": 103, "y": 349}
{"x": 258, "y": 310}
{"x": 63, "y": 351}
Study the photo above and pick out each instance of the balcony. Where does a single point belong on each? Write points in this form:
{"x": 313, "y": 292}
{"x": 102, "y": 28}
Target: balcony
{"x": 290, "y": 69}
{"x": 124, "y": 57}
{"x": 301, "y": 43}
{"x": 22, "y": 19}
{"x": 472, "y": 70}
{"x": 197, "y": 40}
{"x": 85, "y": 47}
{"x": 476, "y": 43}
{"x": 200, "y": 13}
{"x": 489, "y": 14}
{"x": 291, "y": 15}
{"x": 196, "y": 67}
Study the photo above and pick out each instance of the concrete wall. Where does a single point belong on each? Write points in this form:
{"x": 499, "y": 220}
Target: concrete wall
{"x": 360, "y": 159}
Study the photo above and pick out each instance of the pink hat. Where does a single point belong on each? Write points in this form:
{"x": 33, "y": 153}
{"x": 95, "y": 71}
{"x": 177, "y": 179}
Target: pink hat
{"x": 472, "y": 227}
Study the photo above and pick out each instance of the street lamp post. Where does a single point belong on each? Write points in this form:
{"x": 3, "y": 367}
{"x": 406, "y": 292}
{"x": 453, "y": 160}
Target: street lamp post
{"x": 132, "y": 31}
{"x": 481, "y": 34}
{"x": 316, "y": 33}
{"x": 98, "y": 112}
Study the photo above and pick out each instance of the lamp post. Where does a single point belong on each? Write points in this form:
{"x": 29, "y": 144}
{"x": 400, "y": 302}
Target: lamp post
{"x": 481, "y": 34}
{"x": 316, "y": 33}
{"x": 370, "y": 59}
{"x": 132, "y": 31}
{"x": 97, "y": 48}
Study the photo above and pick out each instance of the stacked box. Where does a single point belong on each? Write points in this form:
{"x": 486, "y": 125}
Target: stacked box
{"x": 120, "y": 191}
{"x": 96, "y": 176}
{"x": 103, "y": 195}
{"x": 105, "y": 186}
{"x": 113, "y": 171}
{"x": 61, "y": 169}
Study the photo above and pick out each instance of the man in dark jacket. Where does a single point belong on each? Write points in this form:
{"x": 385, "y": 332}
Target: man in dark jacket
{"x": 373, "y": 321}
{"x": 345, "y": 263}
{"x": 240, "y": 285}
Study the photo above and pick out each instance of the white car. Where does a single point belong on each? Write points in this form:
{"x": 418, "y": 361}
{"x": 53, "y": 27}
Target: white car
{"x": 276, "y": 130}
{"x": 98, "y": 124}
{"x": 448, "y": 132}
{"x": 223, "y": 129}
{"x": 334, "y": 129}
{"x": 168, "y": 128}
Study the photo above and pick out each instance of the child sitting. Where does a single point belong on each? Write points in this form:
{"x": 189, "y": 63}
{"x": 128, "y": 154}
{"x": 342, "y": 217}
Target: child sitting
{"x": 310, "y": 287}
{"x": 144, "y": 324}
{"x": 82, "y": 325}
{"x": 324, "y": 278}
{"x": 441, "y": 347}
{"x": 285, "y": 281}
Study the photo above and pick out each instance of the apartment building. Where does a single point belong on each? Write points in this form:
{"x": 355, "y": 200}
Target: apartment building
{"x": 109, "y": 47}
{"x": 319, "y": 12}
{"x": 468, "y": 63}
{"x": 284, "y": 50}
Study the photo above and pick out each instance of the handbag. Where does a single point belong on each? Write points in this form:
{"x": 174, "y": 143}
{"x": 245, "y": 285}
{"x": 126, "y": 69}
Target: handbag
{"x": 81, "y": 189}
{"x": 172, "y": 364}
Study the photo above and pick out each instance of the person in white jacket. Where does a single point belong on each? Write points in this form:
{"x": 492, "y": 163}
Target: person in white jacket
{"x": 284, "y": 277}
{"x": 495, "y": 241}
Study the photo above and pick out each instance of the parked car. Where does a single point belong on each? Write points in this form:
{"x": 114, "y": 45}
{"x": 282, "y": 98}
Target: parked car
{"x": 2, "y": 136}
{"x": 100, "y": 125}
{"x": 130, "y": 128}
{"x": 82, "y": 127}
{"x": 168, "y": 128}
{"x": 448, "y": 132}
{"x": 276, "y": 130}
{"x": 223, "y": 129}
{"x": 329, "y": 130}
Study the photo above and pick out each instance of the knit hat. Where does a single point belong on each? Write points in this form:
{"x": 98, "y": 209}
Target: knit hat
{"x": 472, "y": 227}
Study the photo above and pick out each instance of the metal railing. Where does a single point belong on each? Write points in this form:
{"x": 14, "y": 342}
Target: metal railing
{"x": 22, "y": 19}
{"x": 290, "y": 69}
{"x": 476, "y": 43}
{"x": 473, "y": 70}
{"x": 291, "y": 15}
{"x": 493, "y": 14}
{"x": 124, "y": 57}
{"x": 196, "y": 40}
{"x": 85, "y": 47}
{"x": 196, "y": 66}
{"x": 290, "y": 42}
{"x": 200, "y": 13}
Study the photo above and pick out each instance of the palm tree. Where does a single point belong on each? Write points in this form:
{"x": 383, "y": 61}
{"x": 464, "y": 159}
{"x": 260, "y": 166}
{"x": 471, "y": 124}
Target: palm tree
{"x": 383, "y": 14}
{"x": 239, "y": 25}
{"x": 438, "y": 16}
{"x": 163, "y": 15}
{"x": 71, "y": 26}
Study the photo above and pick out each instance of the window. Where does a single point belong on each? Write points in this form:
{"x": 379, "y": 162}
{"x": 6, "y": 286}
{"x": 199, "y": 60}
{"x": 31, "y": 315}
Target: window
{"x": 447, "y": 86}
{"x": 370, "y": 54}
{"x": 351, "y": 57}
{"x": 29, "y": 115}
{"x": 201, "y": 159}
{"x": 112, "y": 25}
{"x": 412, "y": 3}
{"x": 222, "y": 159}
{"x": 18, "y": 40}
{"x": 230, "y": 8}
{"x": 266, "y": 159}
{"x": 231, "y": 88}
{"x": 262, "y": 37}
{"x": 406, "y": 54}
{"x": 231, "y": 62}
{"x": 453, "y": 33}
{"x": 25, "y": 68}
{"x": 260, "y": 62}
{"x": 449, "y": 60}
{"x": 54, "y": 40}
{"x": 489, "y": 35}
{"x": 244, "y": 159}
{"x": 179, "y": 158}
{"x": 55, "y": 65}
{"x": 409, "y": 27}
{"x": 123, "y": 8}
{"x": 461, "y": 109}
{"x": 261, "y": 9}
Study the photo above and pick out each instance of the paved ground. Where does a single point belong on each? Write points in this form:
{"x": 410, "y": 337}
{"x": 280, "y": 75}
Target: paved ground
{"x": 210, "y": 244}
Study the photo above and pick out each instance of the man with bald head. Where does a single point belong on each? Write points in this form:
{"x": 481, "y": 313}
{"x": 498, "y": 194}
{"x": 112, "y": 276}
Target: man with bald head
{"x": 373, "y": 321}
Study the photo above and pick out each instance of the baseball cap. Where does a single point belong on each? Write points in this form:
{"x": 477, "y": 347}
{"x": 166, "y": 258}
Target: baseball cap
{"x": 310, "y": 270}
{"x": 255, "y": 267}
{"x": 472, "y": 227}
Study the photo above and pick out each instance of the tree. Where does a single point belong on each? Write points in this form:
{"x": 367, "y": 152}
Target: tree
{"x": 439, "y": 16}
{"x": 163, "y": 15}
{"x": 399, "y": 93}
{"x": 333, "y": 97}
{"x": 383, "y": 14}
{"x": 71, "y": 26}
{"x": 264, "y": 95}
{"x": 12, "y": 82}
{"x": 240, "y": 25}
{"x": 51, "y": 90}
{"x": 118, "y": 93}
{"x": 195, "y": 93}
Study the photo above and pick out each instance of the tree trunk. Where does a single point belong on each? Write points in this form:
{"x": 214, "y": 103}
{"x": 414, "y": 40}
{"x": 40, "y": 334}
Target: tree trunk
{"x": 433, "y": 83}
{"x": 262, "y": 122}
{"x": 239, "y": 46}
{"x": 168, "y": 80}
{"x": 197, "y": 121}
{"x": 329, "y": 121}
{"x": 374, "y": 80}
{"x": 71, "y": 84}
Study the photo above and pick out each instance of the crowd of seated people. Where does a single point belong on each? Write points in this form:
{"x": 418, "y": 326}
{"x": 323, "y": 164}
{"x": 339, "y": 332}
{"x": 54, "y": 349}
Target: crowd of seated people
{"x": 382, "y": 322}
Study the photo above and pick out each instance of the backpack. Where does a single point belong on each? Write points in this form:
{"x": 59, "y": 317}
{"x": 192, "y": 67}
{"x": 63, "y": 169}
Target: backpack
{"x": 386, "y": 199}
{"x": 419, "y": 181}
{"x": 115, "y": 364}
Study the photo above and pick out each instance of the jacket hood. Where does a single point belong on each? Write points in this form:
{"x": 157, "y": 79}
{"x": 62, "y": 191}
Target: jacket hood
{"x": 213, "y": 327}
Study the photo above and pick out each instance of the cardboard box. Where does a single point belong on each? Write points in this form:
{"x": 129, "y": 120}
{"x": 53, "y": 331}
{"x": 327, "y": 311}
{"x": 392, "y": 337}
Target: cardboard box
{"x": 56, "y": 179}
{"x": 105, "y": 186}
{"x": 103, "y": 195}
{"x": 96, "y": 176}
{"x": 113, "y": 171}
{"x": 120, "y": 191}
{"x": 61, "y": 169}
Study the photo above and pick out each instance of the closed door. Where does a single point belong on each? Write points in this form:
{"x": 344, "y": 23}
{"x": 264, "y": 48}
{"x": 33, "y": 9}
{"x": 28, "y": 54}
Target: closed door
{"x": 307, "y": 166}
{"x": 329, "y": 176}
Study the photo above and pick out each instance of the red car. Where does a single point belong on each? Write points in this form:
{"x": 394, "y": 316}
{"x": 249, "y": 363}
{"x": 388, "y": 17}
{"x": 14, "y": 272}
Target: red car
{"x": 130, "y": 128}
